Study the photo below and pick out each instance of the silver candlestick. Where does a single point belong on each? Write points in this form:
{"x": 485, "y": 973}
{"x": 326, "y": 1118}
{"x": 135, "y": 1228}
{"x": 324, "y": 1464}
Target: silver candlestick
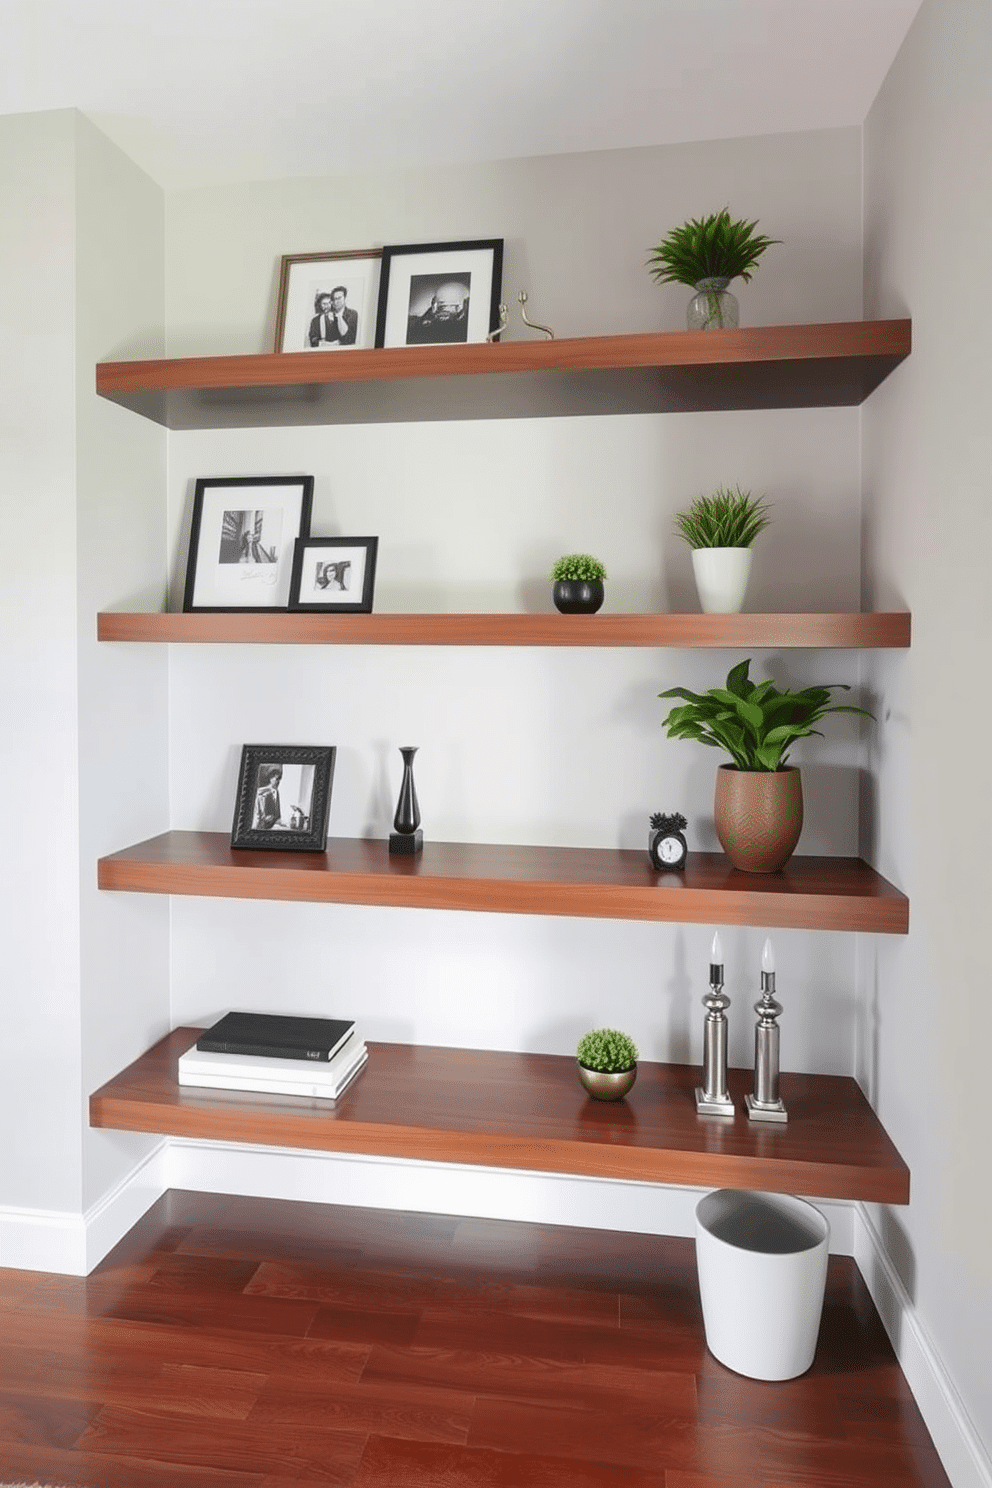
{"x": 712, "y": 1097}
{"x": 766, "y": 1104}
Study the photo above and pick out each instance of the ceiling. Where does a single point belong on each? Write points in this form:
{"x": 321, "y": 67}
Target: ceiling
{"x": 201, "y": 91}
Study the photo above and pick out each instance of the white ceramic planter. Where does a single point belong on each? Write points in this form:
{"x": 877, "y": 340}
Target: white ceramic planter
{"x": 721, "y": 578}
{"x": 762, "y": 1265}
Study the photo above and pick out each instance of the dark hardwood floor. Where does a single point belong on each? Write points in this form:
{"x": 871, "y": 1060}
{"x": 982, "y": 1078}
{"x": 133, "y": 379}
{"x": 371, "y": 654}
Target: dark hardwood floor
{"x": 245, "y": 1343}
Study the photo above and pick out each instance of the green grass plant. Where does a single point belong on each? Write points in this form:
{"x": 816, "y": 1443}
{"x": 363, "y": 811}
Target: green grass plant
{"x": 724, "y": 519}
{"x": 711, "y": 247}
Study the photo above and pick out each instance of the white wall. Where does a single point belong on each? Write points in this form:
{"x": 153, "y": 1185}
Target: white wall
{"x": 577, "y": 232}
{"x": 519, "y": 745}
{"x": 85, "y": 980}
{"x": 928, "y": 531}
{"x": 123, "y": 691}
{"x": 40, "y": 1137}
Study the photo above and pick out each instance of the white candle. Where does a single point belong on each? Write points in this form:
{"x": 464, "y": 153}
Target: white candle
{"x": 768, "y": 957}
{"x": 716, "y": 951}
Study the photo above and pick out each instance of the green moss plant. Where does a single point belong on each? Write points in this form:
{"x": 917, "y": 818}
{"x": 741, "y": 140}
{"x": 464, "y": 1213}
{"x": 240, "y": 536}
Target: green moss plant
{"x": 577, "y": 566}
{"x": 755, "y": 723}
{"x": 606, "y": 1049}
{"x": 724, "y": 519}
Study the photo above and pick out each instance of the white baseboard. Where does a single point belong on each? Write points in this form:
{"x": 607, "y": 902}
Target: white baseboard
{"x": 72, "y": 1244}
{"x": 450, "y": 1188}
{"x": 965, "y": 1459}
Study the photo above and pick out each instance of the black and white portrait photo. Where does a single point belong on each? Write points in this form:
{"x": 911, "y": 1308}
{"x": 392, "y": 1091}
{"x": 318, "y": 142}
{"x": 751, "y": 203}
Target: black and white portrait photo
{"x": 284, "y": 797}
{"x": 334, "y": 322}
{"x": 327, "y": 301}
{"x": 250, "y": 536}
{"x": 334, "y": 573}
{"x": 438, "y": 310}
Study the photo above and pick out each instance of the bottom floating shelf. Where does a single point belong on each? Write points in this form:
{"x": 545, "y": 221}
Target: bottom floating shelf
{"x": 528, "y": 1111}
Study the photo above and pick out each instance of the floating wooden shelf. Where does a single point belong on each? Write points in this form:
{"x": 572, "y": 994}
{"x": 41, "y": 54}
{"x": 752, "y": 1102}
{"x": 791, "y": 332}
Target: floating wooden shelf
{"x": 598, "y": 883}
{"x": 828, "y": 365}
{"x": 528, "y": 1111}
{"x": 827, "y": 631}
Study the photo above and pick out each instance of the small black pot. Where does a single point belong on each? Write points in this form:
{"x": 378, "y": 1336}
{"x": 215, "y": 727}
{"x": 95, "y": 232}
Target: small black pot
{"x": 578, "y": 596}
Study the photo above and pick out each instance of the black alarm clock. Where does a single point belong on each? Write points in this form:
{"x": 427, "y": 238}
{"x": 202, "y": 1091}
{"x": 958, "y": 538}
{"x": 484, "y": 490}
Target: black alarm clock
{"x": 667, "y": 848}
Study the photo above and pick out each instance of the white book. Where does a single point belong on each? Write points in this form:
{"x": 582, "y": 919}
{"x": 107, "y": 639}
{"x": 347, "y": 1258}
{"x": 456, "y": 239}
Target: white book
{"x": 273, "y": 1076}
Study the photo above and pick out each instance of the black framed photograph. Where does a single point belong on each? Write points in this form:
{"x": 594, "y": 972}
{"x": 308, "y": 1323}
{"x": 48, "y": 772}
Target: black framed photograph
{"x": 284, "y": 797}
{"x": 242, "y": 540}
{"x": 334, "y": 573}
{"x": 328, "y": 301}
{"x": 439, "y": 294}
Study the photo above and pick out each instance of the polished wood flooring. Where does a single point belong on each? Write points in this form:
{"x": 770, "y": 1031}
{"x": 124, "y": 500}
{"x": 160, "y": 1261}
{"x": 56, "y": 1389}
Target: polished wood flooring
{"x": 245, "y": 1343}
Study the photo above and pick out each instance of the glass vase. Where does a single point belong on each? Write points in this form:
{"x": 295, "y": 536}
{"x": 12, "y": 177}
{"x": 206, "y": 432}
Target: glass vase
{"x": 712, "y": 307}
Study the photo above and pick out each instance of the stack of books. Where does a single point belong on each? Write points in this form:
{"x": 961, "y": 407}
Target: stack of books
{"x": 277, "y": 1055}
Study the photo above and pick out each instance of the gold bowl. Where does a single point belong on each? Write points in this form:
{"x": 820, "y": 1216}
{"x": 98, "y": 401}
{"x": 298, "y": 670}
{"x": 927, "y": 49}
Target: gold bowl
{"x": 607, "y": 1085}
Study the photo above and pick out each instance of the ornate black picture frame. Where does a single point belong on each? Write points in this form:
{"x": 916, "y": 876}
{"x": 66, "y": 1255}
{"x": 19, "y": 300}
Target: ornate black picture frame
{"x": 242, "y": 540}
{"x": 439, "y": 294}
{"x": 284, "y": 797}
{"x": 334, "y": 573}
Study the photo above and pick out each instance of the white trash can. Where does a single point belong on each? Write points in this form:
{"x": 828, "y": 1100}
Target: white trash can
{"x": 762, "y": 1265}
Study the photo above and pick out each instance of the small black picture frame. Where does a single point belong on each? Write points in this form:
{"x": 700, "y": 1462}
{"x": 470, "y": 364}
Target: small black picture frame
{"x": 334, "y": 573}
{"x": 284, "y": 797}
{"x": 242, "y": 540}
{"x": 439, "y": 294}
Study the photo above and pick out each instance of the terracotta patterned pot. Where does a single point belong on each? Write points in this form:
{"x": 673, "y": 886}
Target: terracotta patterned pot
{"x": 759, "y": 816}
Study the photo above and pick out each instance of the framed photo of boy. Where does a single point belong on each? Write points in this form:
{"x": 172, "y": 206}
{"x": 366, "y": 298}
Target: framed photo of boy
{"x": 284, "y": 797}
{"x": 241, "y": 541}
{"x": 439, "y": 294}
{"x": 327, "y": 301}
{"x": 334, "y": 573}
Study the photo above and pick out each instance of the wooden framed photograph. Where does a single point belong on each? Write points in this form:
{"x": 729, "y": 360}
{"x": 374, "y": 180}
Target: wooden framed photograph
{"x": 439, "y": 294}
{"x": 284, "y": 797}
{"x": 334, "y": 573}
{"x": 327, "y": 301}
{"x": 242, "y": 540}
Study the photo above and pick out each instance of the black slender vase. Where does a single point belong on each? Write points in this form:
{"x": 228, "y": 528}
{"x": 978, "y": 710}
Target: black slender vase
{"x": 407, "y": 838}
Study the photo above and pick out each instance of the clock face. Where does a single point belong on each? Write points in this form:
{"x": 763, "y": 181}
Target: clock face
{"x": 670, "y": 849}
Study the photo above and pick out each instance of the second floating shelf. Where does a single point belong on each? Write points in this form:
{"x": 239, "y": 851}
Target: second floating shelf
{"x": 810, "y": 893}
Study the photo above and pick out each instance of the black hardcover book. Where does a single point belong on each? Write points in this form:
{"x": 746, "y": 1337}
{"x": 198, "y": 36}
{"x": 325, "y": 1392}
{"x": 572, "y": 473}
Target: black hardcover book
{"x": 276, "y": 1036}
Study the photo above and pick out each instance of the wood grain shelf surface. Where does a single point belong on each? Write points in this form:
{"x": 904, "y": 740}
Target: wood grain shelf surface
{"x": 826, "y": 631}
{"x": 528, "y": 1111}
{"x": 827, "y": 365}
{"x": 810, "y": 893}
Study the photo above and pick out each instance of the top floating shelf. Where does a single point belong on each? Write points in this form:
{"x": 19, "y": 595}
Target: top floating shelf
{"x": 836, "y": 364}
{"x": 827, "y": 631}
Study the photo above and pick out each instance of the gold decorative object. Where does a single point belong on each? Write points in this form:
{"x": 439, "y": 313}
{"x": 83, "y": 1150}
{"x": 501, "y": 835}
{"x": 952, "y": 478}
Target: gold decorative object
{"x": 522, "y": 297}
{"x": 503, "y": 315}
{"x": 607, "y": 1085}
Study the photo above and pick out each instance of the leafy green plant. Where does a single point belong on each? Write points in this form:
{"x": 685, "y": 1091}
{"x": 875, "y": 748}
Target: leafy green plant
{"x": 606, "y": 1049}
{"x": 580, "y": 566}
{"x": 754, "y": 722}
{"x": 711, "y": 247}
{"x": 725, "y": 519}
